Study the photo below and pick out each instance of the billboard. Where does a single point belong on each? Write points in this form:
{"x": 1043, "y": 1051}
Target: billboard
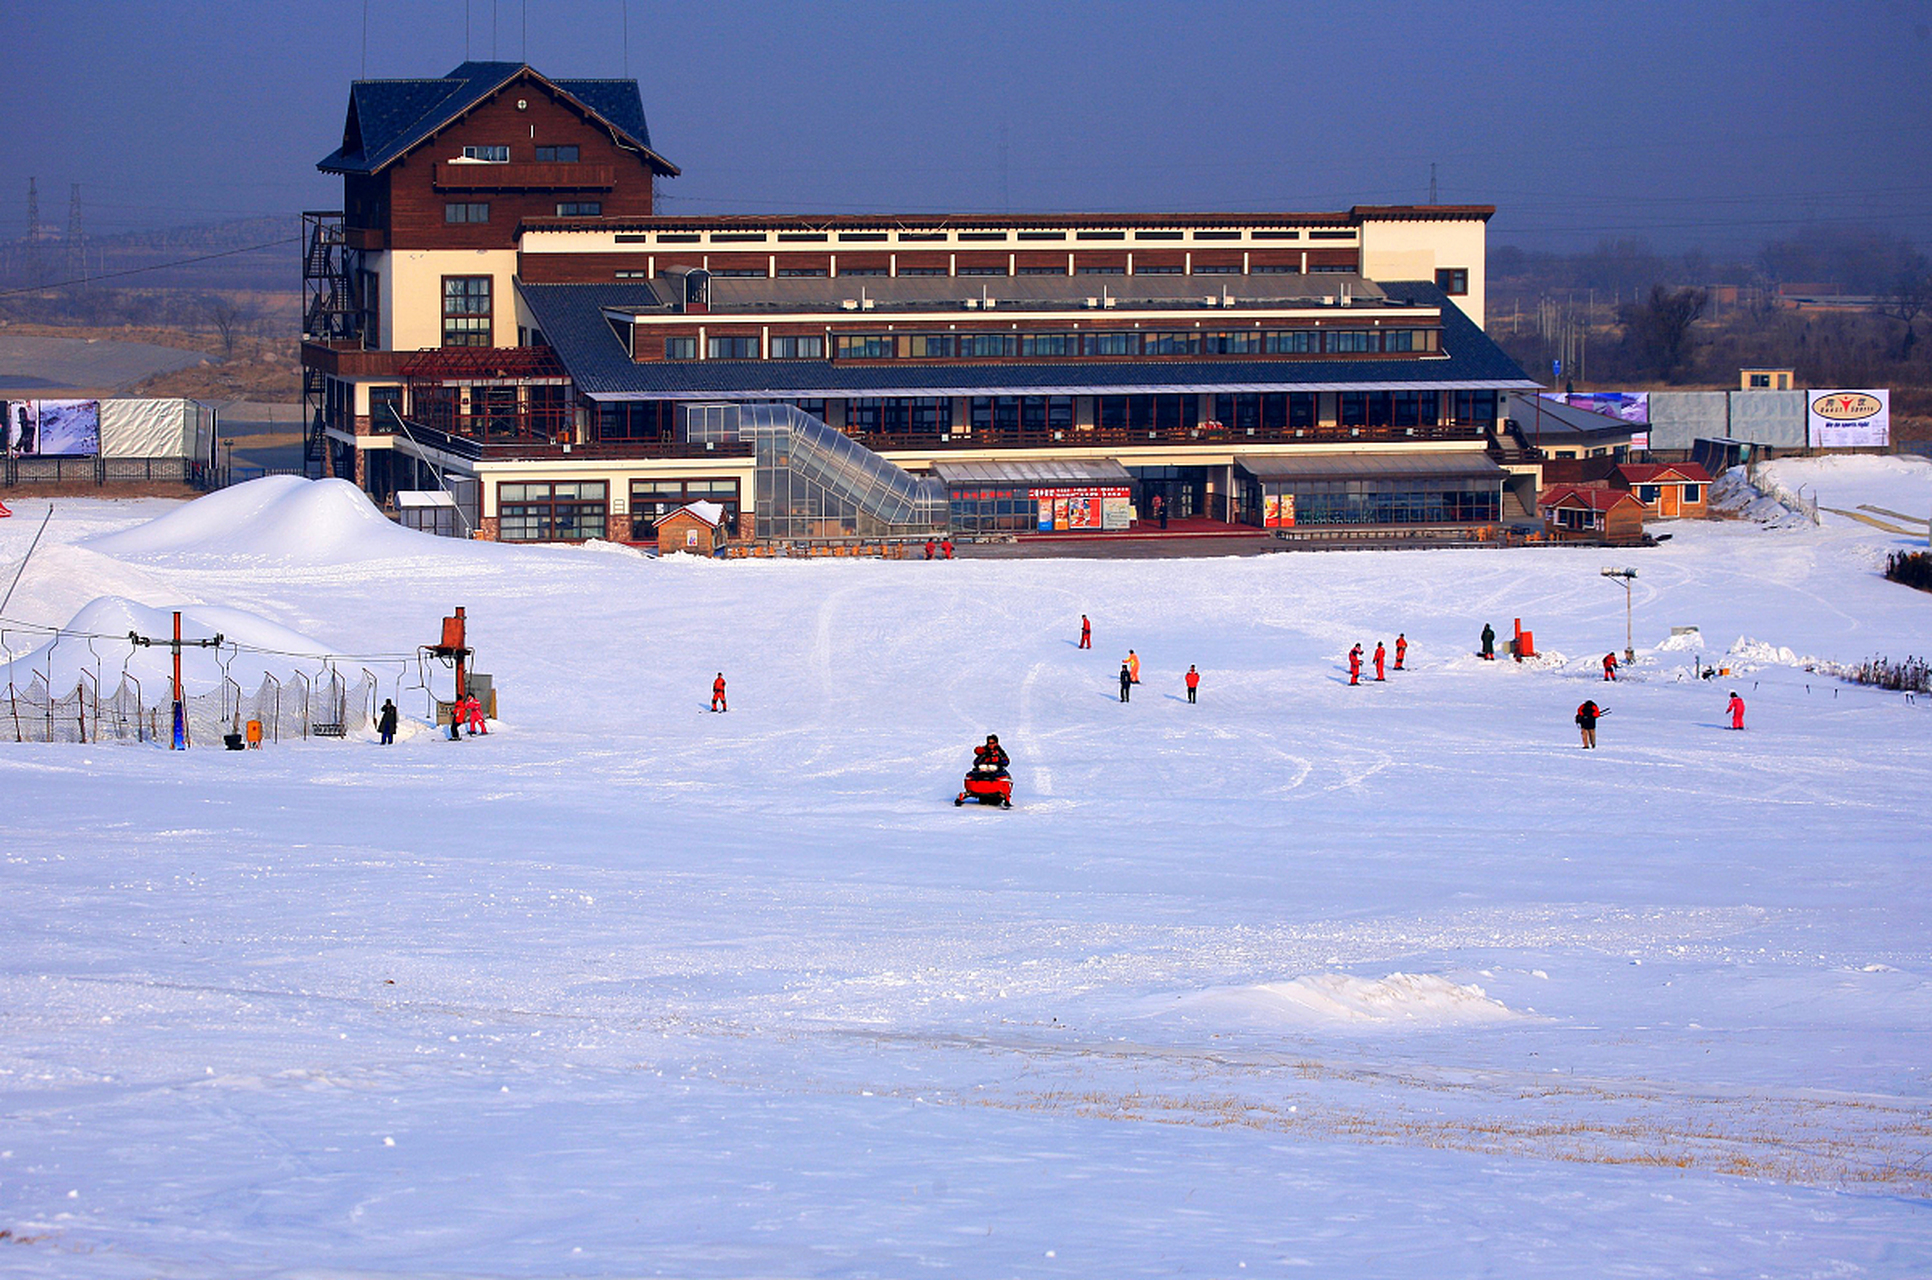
{"x": 1089, "y": 508}
{"x": 1848, "y": 419}
{"x": 1278, "y": 511}
{"x": 1626, "y": 406}
{"x": 53, "y": 428}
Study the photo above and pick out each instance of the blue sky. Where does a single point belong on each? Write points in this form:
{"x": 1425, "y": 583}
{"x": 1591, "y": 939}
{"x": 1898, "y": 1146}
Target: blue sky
{"x": 1690, "y": 123}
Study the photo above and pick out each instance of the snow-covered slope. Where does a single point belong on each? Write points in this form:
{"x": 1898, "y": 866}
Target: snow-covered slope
{"x": 1391, "y": 980}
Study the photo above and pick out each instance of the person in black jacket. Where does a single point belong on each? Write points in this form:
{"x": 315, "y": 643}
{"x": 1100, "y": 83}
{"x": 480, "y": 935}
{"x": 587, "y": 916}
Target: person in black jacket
{"x": 386, "y": 722}
{"x": 991, "y": 755}
{"x": 1586, "y": 720}
{"x": 1126, "y": 683}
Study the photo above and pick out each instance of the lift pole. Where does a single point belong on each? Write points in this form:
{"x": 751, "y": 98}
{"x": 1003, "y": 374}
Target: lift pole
{"x": 177, "y": 644}
{"x": 1623, "y": 578}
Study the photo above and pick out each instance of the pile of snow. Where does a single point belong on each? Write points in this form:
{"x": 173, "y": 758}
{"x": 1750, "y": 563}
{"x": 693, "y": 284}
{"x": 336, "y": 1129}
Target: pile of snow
{"x": 1897, "y": 482}
{"x": 1747, "y": 654}
{"x": 1690, "y": 640}
{"x": 1733, "y": 494}
{"x": 264, "y": 648}
{"x": 277, "y": 518}
{"x": 1330, "y": 999}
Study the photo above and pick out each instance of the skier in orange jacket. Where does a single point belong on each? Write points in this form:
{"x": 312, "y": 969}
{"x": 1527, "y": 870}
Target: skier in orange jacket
{"x": 717, "y": 694}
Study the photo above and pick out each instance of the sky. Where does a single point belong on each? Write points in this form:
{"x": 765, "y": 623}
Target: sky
{"x": 1716, "y": 125}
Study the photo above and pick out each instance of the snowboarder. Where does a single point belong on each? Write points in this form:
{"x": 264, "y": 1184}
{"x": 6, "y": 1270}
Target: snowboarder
{"x": 1355, "y": 664}
{"x": 1489, "y": 643}
{"x": 1133, "y": 665}
{"x": 1401, "y": 649}
{"x": 946, "y": 547}
{"x": 1736, "y": 707}
{"x": 1193, "y": 679}
{"x": 931, "y": 546}
{"x": 1086, "y": 632}
{"x": 1380, "y": 655}
{"x": 1610, "y": 666}
{"x": 473, "y": 710}
{"x": 386, "y": 722}
{"x": 1126, "y": 683}
{"x": 717, "y": 694}
{"x": 1586, "y": 720}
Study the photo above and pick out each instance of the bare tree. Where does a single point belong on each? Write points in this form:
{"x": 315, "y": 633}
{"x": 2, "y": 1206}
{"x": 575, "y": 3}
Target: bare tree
{"x": 228, "y": 318}
{"x": 1658, "y": 328}
{"x": 1910, "y": 298}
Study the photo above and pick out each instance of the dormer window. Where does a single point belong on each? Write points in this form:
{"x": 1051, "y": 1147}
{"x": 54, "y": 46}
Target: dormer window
{"x": 488, "y": 155}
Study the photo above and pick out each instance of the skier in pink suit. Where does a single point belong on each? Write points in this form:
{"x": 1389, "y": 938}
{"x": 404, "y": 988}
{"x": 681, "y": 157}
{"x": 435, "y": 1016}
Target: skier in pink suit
{"x": 1736, "y": 707}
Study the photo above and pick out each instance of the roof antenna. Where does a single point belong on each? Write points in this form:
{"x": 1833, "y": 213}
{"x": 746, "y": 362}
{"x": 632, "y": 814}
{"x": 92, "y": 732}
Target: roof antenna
{"x": 625, "y": 5}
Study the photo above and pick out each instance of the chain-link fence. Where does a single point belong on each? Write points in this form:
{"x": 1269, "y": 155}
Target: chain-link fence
{"x": 328, "y": 704}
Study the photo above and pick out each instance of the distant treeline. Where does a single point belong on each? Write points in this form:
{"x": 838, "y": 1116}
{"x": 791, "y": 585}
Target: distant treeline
{"x": 153, "y": 256}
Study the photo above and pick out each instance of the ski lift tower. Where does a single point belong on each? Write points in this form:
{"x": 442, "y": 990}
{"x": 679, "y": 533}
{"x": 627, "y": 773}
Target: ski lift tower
{"x": 455, "y": 648}
{"x": 1623, "y": 577}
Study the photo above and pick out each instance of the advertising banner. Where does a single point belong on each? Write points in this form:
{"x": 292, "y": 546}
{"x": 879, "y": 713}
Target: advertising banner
{"x": 1278, "y": 511}
{"x": 1083, "y": 508}
{"x": 1627, "y": 406}
{"x": 1848, "y": 419}
{"x": 53, "y": 428}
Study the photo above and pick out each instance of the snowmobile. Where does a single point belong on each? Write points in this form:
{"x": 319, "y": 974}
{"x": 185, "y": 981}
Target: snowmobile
{"x": 987, "y": 784}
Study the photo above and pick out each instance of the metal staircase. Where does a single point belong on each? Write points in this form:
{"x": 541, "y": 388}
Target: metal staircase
{"x": 330, "y": 313}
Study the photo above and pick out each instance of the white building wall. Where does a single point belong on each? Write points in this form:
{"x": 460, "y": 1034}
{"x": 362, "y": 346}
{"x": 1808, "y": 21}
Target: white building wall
{"x": 412, "y": 294}
{"x": 1415, "y": 249}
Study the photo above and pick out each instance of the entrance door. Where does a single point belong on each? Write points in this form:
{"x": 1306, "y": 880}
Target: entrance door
{"x": 1667, "y": 501}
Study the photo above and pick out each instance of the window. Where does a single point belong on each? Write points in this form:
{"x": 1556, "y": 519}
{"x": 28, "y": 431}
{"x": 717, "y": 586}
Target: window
{"x": 733, "y": 347}
{"x": 580, "y": 208}
{"x": 1240, "y": 342}
{"x": 385, "y": 407}
{"x": 794, "y": 273}
{"x": 926, "y": 346}
{"x": 1453, "y": 281}
{"x": 986, "y": 346}
{"x": 552, "y": 511}
{"x": 466, "y": 311}
{"x": 1274, "y": 269}
{"x": 462, "y": 211}
{"x": 557, "y": 155}
{"x": 812, "y": 348}
{"x": 1099, "y": 271}
{"x": 1048, "y": 344}
{"x": 1760, "y": 380}
{"x": 1109, "y": 344}
{"x": 862, "y": 271}
{"x": 1157, "y": 271}
{"x": 1291, "y": 342}
{"x": 1217, "y": 268}
{"x": 494, "y": 155}
{"x": 864, "y": 346}
{"x": 922, "y": 271}
{"x": 680, "y": 348}
{"x": 652, "y": 500}
{"x": 1042, "y": 271}
{"x": 1171, "y": 344}
{"x": 739, "y": 273}
{"x": 1693, "y": 493}
{"x": 1349, "y": 341}
{"x": 982, "y": 271}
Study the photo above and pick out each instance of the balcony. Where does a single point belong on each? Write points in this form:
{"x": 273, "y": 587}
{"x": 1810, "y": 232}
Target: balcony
{"x": 347, "y": 359}
{"x": 522, "y": 175}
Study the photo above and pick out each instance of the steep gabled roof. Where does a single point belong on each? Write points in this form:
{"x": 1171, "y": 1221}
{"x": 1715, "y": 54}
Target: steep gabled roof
{"x": 1589, "y": 497}
{"x": 389, "y": 118}
{"x": 1663, "y": 472}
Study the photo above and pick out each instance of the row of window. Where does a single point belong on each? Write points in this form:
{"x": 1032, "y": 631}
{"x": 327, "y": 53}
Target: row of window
{"x": 1187, "y": 342}
{"x": 500, "y": 154}
{"x": 999, "y": 269}
{"x": 479, "y": 211}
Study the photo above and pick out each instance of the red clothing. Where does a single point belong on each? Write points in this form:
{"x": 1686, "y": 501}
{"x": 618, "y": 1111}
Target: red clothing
{"x": 1736, "y": 708}
{"x": 1401, "y": 651}
{"x": 1355, "y": 665}
{"x": 1193, "y": 679}
{"x": 1609, "y": 666}
{"x": 947, "y": 547}
{"x": 1378, "y": 661}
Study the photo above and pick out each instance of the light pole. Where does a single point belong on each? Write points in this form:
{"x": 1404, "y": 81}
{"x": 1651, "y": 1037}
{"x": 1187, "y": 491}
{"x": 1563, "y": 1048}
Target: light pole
{"x": 1623, "y": 578}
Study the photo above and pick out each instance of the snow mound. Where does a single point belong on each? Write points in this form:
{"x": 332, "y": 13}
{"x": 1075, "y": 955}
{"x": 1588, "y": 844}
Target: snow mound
{"x": 1748, "y": 655}
{"x": 108, "y": 620}
{"x": 1734, "y": 494}
{"x": 1332, "y": 999}
{"x": 277, "y": 518}
{"x": 603, "y": 547}
{"x": 1691, "y": 641}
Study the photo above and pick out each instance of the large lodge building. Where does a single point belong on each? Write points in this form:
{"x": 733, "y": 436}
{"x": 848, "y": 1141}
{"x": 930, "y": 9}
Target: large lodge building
{"x": 498, "y": 310}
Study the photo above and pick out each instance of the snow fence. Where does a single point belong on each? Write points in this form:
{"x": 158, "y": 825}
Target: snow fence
{"x": 327, "y": 704}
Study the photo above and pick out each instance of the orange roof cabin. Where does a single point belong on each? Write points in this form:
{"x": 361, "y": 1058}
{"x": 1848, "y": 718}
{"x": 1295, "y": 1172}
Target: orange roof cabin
{"x": 1591, "y": 513}
{"x": 1668, "y": 491}
{"x": 695, "y": 529}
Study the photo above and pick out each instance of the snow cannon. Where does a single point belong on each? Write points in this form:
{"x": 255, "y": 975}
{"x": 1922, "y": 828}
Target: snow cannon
{"x": 1524, "y": 645}
{"x": 986, "y": 784}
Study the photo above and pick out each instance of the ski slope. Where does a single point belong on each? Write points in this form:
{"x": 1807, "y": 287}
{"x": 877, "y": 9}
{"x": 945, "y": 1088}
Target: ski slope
{"x": 1307, "y": 979}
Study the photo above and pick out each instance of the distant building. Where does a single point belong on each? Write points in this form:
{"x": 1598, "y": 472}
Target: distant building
{"x": 499, "y": 302}
{"x": 1591, "y": 513}
{"x": 1766, "y": 379}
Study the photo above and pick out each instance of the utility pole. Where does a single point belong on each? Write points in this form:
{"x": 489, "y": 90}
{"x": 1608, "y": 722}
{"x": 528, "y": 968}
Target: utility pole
{"x": 33, "y": 231}
{"x": 76, "y": 252}
{"x": 1623, "y": 578}
{"x": 180, "y": 740}
{"x": 1432, "y": 182}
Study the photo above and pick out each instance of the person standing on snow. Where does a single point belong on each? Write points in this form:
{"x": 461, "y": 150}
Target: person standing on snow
{"x": 717, "y": 694}
{"x": 1610, "y": 666}
{"x": 1586, "y": 720}
{"x": 1126, "y": 683}
{"x": 1086, "y": 632}
{"x": 946, "y": 547}
{"x": 1380, "y": 655}
{"x": 1736, "y": 707}
{"x": 1133, "y": 665}
{"x": 1355, "y": 665}
{"x": 1193, "y": 679}
{"x": 1489, "y": 643}
{"x": 473, "y": 710}
{"x": 1401, "y": 649}
{"x": 386, "y": 722}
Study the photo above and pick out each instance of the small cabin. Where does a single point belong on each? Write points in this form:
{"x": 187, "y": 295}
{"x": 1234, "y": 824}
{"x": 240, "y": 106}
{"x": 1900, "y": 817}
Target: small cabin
{"x": 1591, "y": 513}
{"x": 1668, "y": 491}
{"x": 694, "y": 529}
{"x": 1760, "y": 379}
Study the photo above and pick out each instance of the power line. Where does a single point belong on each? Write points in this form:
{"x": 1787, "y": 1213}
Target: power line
{"x": 159, "y": 266}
